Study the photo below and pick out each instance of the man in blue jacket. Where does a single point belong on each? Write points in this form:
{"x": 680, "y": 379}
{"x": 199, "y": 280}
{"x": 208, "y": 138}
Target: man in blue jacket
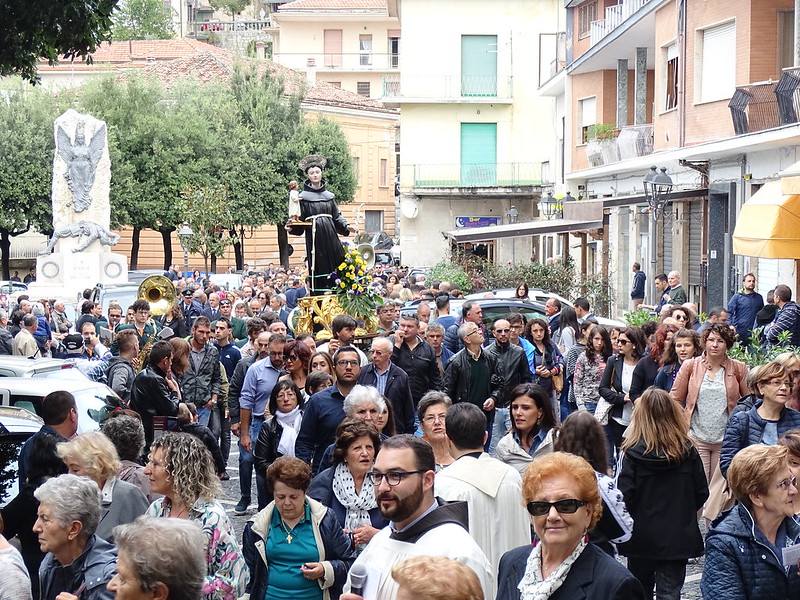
{"x": 743, "y": 308}
{"x": 787, "y": 318}
{"x": 637, "y": 292}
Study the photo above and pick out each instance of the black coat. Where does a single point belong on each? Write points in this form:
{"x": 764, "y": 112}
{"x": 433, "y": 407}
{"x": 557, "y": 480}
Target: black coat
{"x": 322, "y": 489}
{"x": 644, "y": 375}
{"x": 235, "y": 385}
{"x": 151, "y": 397}
{"x": 457, "y": 378}
{"x": 204, "y": 434}
{"x": 663, "y": 498}
{"x": 398, "y": 392}
{"x": 514, "y": 365}
{"x": 421, "y": 366}
{"x": 611, "y": 384}
{"x": 594, "y": 576}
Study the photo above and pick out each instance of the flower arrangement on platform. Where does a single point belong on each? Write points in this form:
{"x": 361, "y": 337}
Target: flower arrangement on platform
{"x": 353, "y": 287}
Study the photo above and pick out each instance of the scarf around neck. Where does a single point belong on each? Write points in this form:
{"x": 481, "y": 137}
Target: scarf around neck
{"x": 290, "y": 422}
{"x": 357, "y": 505}
{"x": 533, "y": 586}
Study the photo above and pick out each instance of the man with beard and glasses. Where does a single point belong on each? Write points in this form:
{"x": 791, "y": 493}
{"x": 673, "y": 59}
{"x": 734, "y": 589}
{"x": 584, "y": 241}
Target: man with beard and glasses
{"x": 420, "y": 524}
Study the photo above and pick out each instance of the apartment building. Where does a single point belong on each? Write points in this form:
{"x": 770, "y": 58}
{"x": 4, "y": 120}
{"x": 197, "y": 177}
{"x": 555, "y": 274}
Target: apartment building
{"x": 706, "y": 90}
{"x": 476, "y": 135}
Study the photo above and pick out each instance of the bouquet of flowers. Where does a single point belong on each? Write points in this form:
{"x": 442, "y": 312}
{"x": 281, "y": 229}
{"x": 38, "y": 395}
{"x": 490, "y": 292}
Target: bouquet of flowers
{"x": 352, "y": 285}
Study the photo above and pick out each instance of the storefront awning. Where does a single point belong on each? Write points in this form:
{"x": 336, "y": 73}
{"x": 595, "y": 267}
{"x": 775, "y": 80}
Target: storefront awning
{"x": 769, "y": 224}
{"x": 494, "y": 232}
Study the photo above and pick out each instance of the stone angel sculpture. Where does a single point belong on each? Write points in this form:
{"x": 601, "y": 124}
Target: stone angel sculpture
{"x": 81, "y": 162}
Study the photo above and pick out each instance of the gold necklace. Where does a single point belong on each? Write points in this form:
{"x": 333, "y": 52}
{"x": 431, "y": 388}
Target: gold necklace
{"x": 288, "y": 531}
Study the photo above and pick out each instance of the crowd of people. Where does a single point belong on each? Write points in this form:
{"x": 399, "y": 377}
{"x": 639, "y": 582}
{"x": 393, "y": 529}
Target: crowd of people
{"x": 533, "y": 458}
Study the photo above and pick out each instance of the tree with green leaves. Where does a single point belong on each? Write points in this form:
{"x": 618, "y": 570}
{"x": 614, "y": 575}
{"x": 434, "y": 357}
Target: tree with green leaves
{"x": 27, "y": 147}
{"x": 143, "y": 20}
{"x": 231, "y": 7}
{"x": 50, "y": 29}
{"x": 210, "y": 218}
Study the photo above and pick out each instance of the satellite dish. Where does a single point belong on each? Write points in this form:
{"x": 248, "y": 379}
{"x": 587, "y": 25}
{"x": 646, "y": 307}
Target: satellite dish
{"x": 409, "y": 208}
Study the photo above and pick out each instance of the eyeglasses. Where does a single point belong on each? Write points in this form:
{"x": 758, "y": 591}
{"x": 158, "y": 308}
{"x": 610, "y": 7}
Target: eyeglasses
{"x": 778, "y": 383}
{"x": 786, "y": 483}
{"x": 289, "y": 357}
{"x": 563, "y": 507}
{"x": 474, "y": 332}
{"x": 623, "y": 341}
{"x": 344, "y": 363}
{"x": 502, "y": 330}
{"x": 392, "y": 479}
{"x": 377, "y": 352}
{"x": 224, "y": 303}
{"x": 431, "y": 419}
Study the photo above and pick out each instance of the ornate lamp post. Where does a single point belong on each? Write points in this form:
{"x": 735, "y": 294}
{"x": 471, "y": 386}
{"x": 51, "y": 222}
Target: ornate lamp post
{"x": 184, "y": 235}
{"x": 550, "y": 206}
{"x": 657, "y": 187}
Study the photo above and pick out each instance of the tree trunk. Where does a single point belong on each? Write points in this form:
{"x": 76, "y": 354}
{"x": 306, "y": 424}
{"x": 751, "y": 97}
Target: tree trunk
{"x": 135, "y": 249}
{"x": 5, "y": 251}
{"x": 283, "y": 246}
{"x": 213, "y": 263}
{"x": 166, "y": 238}
{"x": 238, "y": 248}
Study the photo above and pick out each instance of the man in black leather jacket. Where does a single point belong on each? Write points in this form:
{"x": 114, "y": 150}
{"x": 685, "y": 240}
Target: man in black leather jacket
{"x": 155, "y": 392}
{"x": 474, "y": 375}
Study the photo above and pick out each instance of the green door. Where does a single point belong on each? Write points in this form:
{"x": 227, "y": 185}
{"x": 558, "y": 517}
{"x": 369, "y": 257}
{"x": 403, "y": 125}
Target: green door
{"x": 479, "y": 65}
{"x": 478, "y": 154}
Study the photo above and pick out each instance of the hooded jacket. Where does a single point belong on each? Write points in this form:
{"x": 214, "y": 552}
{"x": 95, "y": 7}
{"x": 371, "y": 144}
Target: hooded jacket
{"x": 663, "y": 498}
{"x": 740, "y": 566}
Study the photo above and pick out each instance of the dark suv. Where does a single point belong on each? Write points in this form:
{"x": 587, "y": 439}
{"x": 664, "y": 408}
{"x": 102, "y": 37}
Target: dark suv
{"x": 493, "y": 308}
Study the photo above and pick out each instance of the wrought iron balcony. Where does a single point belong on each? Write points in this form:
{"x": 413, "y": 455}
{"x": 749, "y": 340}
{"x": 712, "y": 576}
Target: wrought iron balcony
{"x": 478, "y": 175}
{"x": 447, "y": 87}
{"x": 342, "y": 61}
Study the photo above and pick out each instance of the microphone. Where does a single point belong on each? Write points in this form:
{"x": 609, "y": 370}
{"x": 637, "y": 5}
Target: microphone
{"x": 358, "y": 579}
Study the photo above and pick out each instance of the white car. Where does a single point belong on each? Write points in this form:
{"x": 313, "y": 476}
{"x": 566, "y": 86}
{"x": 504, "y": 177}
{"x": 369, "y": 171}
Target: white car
{"x": 91, "y": 397}
{"x": 20, "y": 366}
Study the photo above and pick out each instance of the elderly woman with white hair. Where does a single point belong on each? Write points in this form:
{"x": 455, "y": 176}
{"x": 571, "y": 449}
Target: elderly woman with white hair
{"x": 78, "y": 564}
{"x": 93, "y": 455}
{"x": 148, "y": 568}
{"x": 363, "y": 402}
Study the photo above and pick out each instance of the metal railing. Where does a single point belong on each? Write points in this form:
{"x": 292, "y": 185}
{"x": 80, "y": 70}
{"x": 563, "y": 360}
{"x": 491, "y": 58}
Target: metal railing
{"x": 238, "y": 25}
{"x": 345, "y": 61}
{"x": 754, "y": 107}
{"x": 614, "y": 17}
{"x": 478, "y": 174}
{"x": 552, "y": 55}
{"x": 447, "y": 86}
{"x": 635, "y": 140}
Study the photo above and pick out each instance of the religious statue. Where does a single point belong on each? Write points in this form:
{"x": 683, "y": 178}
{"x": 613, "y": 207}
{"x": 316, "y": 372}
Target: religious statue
{"x": 89, "y": 231}
{"x": 322, "y": 224}
{"x": 81, "y": 162}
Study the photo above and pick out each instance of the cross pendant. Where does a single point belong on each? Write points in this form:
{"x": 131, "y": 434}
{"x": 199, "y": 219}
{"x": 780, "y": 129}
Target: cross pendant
{"x": 289, "y": 537}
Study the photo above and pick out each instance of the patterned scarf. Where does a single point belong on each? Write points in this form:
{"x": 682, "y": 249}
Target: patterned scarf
{"x": 533, "y": 587}
{"x": 358, "y": 506}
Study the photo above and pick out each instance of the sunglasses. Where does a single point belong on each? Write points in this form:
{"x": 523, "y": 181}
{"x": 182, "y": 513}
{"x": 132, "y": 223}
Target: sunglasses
{"x": 623, "y": 341}
{"x": 502, "y": 330}
{"x": 563, "y": 507}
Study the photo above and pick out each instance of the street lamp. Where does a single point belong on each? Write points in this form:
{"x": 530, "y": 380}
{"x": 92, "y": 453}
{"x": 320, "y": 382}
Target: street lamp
{"x": 657, "y": 187}
{"x": 550, "y": 206}
{"x": 183, "y": 236}
{"x": 513, "y": 215}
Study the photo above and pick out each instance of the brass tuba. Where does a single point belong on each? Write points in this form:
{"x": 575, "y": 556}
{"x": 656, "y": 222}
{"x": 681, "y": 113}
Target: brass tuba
{"x": 159, "y": 292}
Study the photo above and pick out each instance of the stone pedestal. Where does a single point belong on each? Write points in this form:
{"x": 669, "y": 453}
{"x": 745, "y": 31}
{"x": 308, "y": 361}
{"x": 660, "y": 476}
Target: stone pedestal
{"x": 65, "y": 274}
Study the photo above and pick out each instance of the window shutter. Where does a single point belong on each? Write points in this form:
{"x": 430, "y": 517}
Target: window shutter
{"x": 718, "y": 68}
{"x": 588, "y": 111}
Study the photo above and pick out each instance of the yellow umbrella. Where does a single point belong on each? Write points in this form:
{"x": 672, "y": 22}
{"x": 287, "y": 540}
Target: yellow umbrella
{"x": 769, "y": 224}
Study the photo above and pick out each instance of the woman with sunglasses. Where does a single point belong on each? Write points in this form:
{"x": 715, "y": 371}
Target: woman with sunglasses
{"x": 615, "y": 387}
{"x": 296, "y": 359}
{"x": 661, "y": 476}
{"x": 743, "y": 548}
{"x": 709, "y": 386}
{"x": 561, "y": 494}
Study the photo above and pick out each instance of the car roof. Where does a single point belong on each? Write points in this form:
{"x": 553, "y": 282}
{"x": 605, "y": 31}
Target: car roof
{"x": 47, "y": 385}
{"x": 36, "y": 363}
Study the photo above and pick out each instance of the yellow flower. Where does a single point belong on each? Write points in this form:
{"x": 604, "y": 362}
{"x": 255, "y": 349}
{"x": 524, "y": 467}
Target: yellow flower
{"x": 343, "y": 285}
{"x": 342, "y": 266}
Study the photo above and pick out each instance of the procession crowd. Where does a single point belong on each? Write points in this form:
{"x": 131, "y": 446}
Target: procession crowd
{"x": 444, "y": 458}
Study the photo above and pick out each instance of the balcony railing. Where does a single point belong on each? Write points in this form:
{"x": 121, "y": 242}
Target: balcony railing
{"x": 354, "y": 61}
{"x": 766, "y": 104}
{"x": 478, "y": 175}
{"x": 447, "y": 86}
{"x": 632, "y": 141}
{"x": 615, "y": 16}
{"x": 552, "y": 55}
{"x": 204, "y": 28}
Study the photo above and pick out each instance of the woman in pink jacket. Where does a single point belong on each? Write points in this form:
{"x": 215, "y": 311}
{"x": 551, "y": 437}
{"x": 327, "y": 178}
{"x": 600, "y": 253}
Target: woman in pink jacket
{"x": 709, "y": 386}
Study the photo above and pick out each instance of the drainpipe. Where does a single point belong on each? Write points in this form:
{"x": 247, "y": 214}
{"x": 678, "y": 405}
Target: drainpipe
{"x": 682, "y": 68}
{"x": 796, "y": 32}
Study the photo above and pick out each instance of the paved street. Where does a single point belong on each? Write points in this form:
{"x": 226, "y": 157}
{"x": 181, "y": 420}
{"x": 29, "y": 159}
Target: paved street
{"x": 230, "y": 496}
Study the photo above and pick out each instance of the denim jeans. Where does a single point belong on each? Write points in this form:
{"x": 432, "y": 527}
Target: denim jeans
{"x": 501, "y": 426}
{"x": 665, "y": 576}
{"x": 246, "y": 462}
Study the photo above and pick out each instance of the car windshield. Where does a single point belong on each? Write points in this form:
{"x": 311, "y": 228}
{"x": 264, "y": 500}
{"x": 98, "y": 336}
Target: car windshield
{"x": 91, "y": 404}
